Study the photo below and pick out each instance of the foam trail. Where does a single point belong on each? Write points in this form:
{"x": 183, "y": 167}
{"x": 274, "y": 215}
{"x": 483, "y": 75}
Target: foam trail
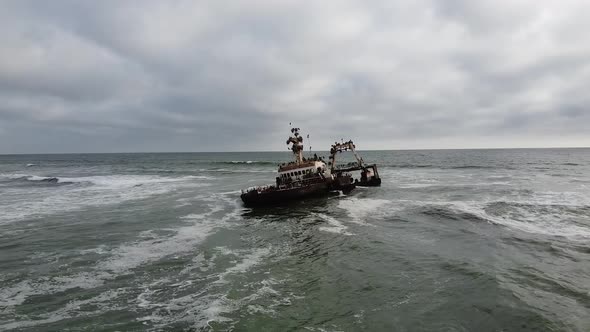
{"x": 123, "y": 259}
{"x": 551, "y": 220}
{"x": 71, "y": 309}
{"x": 335, "y": 225}
{"x": 130, "y": 256}
{"x": 359, "y": 208}
{"x": 211, "y": 303}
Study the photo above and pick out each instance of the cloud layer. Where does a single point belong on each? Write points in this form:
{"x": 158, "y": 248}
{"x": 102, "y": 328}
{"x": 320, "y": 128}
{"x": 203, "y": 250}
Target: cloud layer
{"x": 108, "y": 76}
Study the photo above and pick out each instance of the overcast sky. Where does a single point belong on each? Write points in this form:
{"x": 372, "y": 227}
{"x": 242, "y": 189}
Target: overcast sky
{"x": 115, "y": 76}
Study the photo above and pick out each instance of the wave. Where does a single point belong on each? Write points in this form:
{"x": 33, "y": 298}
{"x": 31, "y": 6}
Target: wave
{"x": 88, "y": 192}
{"x": 235, "y": 171}
{"x": 334, "y": 225}
{"x": 126, "y": 257}
{"x": 474, "y": 167}
{"x": 410, "y": 166}
{"x": 541, "y": 280}
{"x": 187, "y": 302}
{"x": 445, "y": 166}
{"x": 453, "y": 213}
{"x": 234, "y": 162}
{"x": 103, "y": 180}
{"x": 38, "y": 179}
{"x": 359, "y": 209}
{"x": 211, "y": 302}
{"x": 549, "y": 216}
{"x": 248, "y": 162}
{"x": 553, "y": 220}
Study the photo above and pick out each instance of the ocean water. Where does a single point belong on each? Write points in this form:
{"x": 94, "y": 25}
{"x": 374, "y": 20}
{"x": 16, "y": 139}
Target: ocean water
{"x": 455, "y": 240}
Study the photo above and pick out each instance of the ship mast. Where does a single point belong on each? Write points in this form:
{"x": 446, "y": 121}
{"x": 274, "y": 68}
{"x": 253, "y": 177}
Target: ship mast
{"x": 297, "y": 147}
{"x": 345, "y": 146}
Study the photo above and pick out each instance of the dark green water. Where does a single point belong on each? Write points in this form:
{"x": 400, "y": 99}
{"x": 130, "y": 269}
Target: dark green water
{"x": 473, "y": 240}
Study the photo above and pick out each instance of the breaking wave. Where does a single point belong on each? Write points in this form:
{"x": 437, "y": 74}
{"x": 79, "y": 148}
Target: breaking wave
{"x": 106, "y": 180}
{"x": 446, "y": 166}
{"x": 36, "y": 179}
{"x": 410, "y": 166}
{"x": 361, "y": 209}
{"x": 86, "y": 192}
{"x": 566, "y": 221}
{"x": 248, "y": 162}
{"x": 453, "y": 213}
{"x": 473, "y": 167}
{"x": 333, "y": 224}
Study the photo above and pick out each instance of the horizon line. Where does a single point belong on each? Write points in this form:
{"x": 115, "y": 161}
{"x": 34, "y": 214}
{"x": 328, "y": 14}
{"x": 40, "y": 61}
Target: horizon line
{"x": 259, "y": 151}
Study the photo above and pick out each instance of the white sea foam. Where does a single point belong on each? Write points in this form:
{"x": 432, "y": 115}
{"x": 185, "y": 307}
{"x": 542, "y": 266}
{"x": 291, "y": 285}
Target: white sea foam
{"x": 226, "y": 170}
{"x": 242, "y": 162}
{"x": 100, "y": 190}
{"x": 552, "y": 220}
{"x": 13, "y": 176}
{"x": 72, "y": 309}
{"x": 149, "y": 248}
{"x": 335, "y": 226}
{"x": 17, "y": 294}
{"x": 417, "y": 185}
{"x": 245, "y": 263}
{"x": 359, "y": 208}
{"x": 538, "y": 221}
{"x": 320, "y": 329}
{"x": 129, "y": 256}
{"x": 127, "y": 181}
{"x": 450, "y": 185}
{"x": 197, "y": 308}
{"x": 113, "y": 181}
{"x": 211, "y": 303}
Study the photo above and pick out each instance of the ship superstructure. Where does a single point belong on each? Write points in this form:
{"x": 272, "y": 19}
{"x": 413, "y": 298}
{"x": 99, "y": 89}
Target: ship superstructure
{"x": 301, "y": 178}
{"x": 369, "y": 174}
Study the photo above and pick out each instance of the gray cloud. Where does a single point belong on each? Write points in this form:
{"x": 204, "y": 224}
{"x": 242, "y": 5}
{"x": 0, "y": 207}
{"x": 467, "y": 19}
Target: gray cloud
{"x": 207, "y": 75}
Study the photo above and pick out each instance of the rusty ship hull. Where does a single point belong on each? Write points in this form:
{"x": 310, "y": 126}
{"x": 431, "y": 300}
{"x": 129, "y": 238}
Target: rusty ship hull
{"x": 274, "y": 196}
{"x": 270, "y": 197}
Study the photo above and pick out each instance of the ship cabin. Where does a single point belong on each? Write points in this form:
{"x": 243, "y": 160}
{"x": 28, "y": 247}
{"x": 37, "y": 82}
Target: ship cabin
{"x": 300, "y": 171}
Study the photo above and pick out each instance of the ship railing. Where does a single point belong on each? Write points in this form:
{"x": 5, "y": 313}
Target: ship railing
{"x": 290, "y": 185}
{"x": 300, "y": 182}
{"x": 257, "y": 188}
